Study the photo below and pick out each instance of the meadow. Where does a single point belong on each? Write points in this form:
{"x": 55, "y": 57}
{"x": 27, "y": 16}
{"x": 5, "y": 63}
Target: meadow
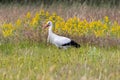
{"x": 25, "y": 55}
{"x": 27, "y": 61}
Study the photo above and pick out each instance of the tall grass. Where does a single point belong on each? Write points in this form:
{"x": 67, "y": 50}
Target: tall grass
{"x": 8, "y": 14}
{"x": 26, "y": 61}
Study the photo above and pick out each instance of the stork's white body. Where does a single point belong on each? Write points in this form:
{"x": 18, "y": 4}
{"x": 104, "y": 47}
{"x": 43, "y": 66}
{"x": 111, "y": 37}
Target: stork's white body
{"x": 59, "y": 41}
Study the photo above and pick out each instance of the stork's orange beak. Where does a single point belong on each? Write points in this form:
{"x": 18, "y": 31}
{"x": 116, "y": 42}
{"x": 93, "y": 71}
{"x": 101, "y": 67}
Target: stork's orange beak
{"x": 45, "y": 26}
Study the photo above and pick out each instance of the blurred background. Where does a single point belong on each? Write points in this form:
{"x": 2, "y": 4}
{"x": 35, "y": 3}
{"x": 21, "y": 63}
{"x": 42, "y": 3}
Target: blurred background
{"x": 110, "y": 3}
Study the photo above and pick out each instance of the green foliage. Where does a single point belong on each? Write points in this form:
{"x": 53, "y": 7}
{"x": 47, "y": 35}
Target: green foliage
{"x": 38, "y": 61}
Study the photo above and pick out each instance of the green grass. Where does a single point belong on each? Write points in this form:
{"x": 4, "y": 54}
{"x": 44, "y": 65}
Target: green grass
{"x": 26, "y": 61}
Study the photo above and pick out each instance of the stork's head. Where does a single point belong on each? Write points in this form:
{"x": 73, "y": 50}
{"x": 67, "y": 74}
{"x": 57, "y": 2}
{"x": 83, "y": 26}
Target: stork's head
{"x": 49, "y": 24}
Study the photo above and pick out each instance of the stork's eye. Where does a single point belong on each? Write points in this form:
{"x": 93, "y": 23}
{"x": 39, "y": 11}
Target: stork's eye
{"x": 49, "y": 24}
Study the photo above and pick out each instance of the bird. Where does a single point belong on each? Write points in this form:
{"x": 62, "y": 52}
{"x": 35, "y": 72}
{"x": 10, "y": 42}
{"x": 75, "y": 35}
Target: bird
{"x": 59, "y": 41}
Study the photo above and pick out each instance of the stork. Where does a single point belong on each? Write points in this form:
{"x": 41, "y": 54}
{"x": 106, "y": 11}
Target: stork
{"x": 59, "y": 41}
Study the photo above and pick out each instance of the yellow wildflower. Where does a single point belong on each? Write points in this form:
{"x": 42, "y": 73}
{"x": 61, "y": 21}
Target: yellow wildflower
{"x": 42, "y": 12}
{"x": 28, "y": 15}
{"x": 7, "y": 29}
{"x": 18, "y": 22}
{"x": 106, "y": 19}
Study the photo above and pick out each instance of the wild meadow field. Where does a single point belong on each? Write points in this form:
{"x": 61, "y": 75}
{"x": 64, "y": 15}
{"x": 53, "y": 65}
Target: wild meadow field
{"x": 26, "y": 55}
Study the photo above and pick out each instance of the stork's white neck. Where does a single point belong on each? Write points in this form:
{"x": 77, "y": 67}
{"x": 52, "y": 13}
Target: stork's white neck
{"x": 50, "y": 29}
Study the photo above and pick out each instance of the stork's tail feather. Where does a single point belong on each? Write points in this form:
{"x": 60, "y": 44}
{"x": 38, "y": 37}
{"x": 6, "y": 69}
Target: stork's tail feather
{"x": 72, "y": 43}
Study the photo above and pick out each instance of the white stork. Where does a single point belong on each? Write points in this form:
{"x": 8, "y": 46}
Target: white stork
{"x": 59, "y": 41}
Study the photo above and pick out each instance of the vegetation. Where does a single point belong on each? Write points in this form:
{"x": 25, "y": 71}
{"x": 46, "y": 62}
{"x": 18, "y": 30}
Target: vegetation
{"x": 31, "y": 28}
{"x": 25, "y": 55}
{"x": 40, "y": 62}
